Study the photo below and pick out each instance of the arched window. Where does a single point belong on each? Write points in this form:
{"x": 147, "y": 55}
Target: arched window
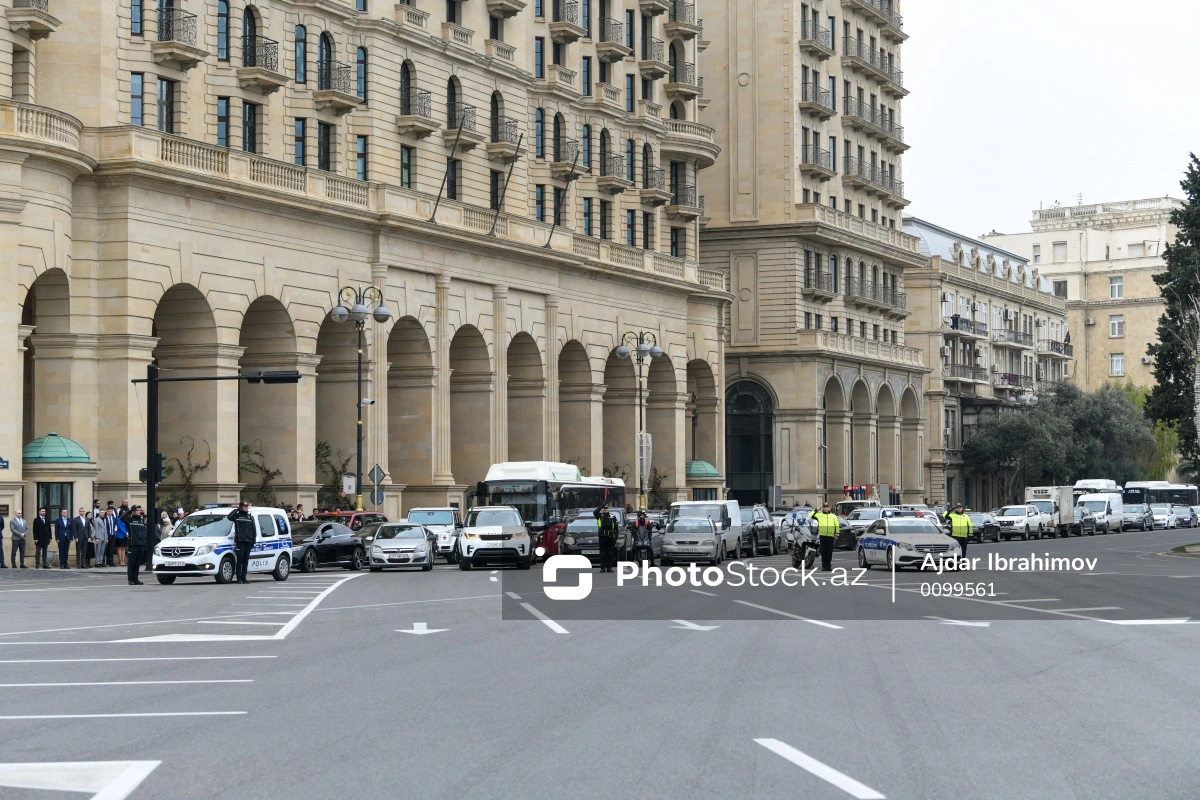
{"x": 678, "y": 111}
{"x": 361, "y": 73}
{"x": 630, "y": 150}
{"x": 647, "y": 164}
{"x": 497, "y": 117}
{"x": 749, "y": 426}
{"x": 604, "y": 152}
{"x": 301, "y": 54}
{"x": 539, "y": 133}
{"x": 325, "y": 62}
{"x": 833, "y": 272}
{"x": 560, "y": 125}
{"x": 406, "y": 87}
{"x": 250, "y": 38}
{"x": 587, "y": 147}
{"x": 452, "y": 103}
{"x": 222, "y": 30}
{"x": 674, "y": 60}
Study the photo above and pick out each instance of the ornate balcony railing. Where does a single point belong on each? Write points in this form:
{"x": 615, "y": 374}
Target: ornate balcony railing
{"x": 612, "y": 30}
{"x": 40, "y": 5}
{"x": 334, "y": 76}
{"x": 566, "y": 11}
{"x": 965, "y": 372}
{"x": 956, "y": 323}
{"x": 811, "y": 93}
{"x": 505, "y": 130}
{"x": 683, "y": 73}
{"x": 686, "y": 196}
{"x": 259, "y": 51}
{"x": 1059, "y": 348}
{"x": 565, "y": 149}
{"x": 612, "y": 165}
{"x": 874, "y": 59}
{"x": 654, "y": 178}
{"x": 461, "y": 116}
{"x": 416, "y": 103}
{"x": 817, "y": 36}
{"x": 177, "y": 25}
{"x": 875, "y": 292}
{"x": 653, "y": 49}
{"x": 875, "y": 117}
{"x": 819, "y": 281}
{"x": 1013, "y": 337}
{"x": 815, "y": 156}
{"x": 873, "y": 174}
{"x": 682, "y": 11}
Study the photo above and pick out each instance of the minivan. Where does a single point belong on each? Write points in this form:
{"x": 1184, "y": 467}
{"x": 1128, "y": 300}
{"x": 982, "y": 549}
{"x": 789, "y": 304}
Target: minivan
{"x": 201, "y": 546}
{"x": 1108, "y": 509}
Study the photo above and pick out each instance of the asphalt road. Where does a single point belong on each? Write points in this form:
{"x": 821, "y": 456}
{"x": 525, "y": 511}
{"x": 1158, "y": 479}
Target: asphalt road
{"x": 1064, "y": 686}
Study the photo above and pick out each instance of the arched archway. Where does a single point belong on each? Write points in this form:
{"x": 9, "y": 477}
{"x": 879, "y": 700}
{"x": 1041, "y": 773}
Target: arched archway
{"x": 678, "y": 110}
{"x": 580, "y": 410}
{"x": 526, "y": 399}
{"x": 620, "y": 420}
{"x": 665, "y": 424}
{"x": 912, "y": 447}
{"x": 862, "y": 435}
{"x": 336, "y": 404}
{"x": 472, "y": 385}
{"x": 888, "y": 445}
{"x": 46, "y": 315}
{"x": 749, "y": 442}
{"x": 412, "y": 388}
{"x": 835, "y": 439}
{"x": 703, "y": 413}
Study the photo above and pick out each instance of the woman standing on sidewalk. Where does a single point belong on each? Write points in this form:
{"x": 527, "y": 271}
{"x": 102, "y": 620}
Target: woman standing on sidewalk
{"x": 121, "y": 533}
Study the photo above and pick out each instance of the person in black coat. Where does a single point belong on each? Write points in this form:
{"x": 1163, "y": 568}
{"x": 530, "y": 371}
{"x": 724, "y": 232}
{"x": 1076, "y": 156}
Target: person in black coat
{"x": 243, "y": 538}
{"x": 137, "y": 543}
{"x": 62, "y": 535}
{"x": 41, "y": 540}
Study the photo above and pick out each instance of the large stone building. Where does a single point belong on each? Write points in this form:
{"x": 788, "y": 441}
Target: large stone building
{"x": 192, "y": 183}
{"x": 994, "y": 331}
{"x": 823, "y": 388}
{"x": 1102, "y": 259}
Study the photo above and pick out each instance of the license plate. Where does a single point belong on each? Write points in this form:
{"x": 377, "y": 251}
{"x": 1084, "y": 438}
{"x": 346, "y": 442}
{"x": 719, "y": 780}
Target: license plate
{"x": 591, "y": 552}
{"x": 175, "y": 564}
{"x": 690, "y": 550}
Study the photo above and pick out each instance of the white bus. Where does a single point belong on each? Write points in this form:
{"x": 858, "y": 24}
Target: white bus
{"x": 544, "y": 489}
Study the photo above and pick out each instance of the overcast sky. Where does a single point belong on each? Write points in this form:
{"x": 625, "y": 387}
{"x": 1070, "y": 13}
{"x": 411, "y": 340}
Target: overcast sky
{"x": 1019, "y": 102}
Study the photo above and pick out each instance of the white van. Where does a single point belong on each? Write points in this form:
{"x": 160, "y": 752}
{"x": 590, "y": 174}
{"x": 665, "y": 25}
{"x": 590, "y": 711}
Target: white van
{"x": 202, "y": 546}
{"x": 724, "y": 513}
{"x": 1107, "y": 507}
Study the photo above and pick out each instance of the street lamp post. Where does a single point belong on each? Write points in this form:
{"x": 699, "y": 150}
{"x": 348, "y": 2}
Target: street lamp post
{"x": 353, "y": 306}
{"x": 639, "y": 345}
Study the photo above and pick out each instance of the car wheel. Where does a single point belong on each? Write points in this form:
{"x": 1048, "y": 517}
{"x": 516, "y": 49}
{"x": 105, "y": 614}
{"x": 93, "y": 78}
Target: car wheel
{"x": 309, "y": 562}
{"x": 464, "y": 564}
{"x": 1025, "y": 535}
{"x": 862, "y": 559}
{"x": 524, "y": 563}
{"x": 225, "y": 571}
{"x": 774, "y": 547}
{"x": 810, "y": 558}
{"x": 283, "y": 568}
{"x": 166, "y": 580}
{"x": 890, "y": 560}
{"x": 356, "y": 560}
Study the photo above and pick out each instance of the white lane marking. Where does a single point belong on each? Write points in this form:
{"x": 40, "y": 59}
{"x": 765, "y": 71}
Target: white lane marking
{"x": 493, "y": 579}
{"x": 68, "y": 588}
{"x": 549, "y": 623}
{"x": 1179, "y": 621}
{"x": 110, "y": 625}
{"x": 1038, "y": 600}
{"x": 235, "y": 622}
{"x": 792, "y": 616}
{"x": 945, "y": 621}
{"x": 422, "y": 628}
{"x": 691, "y": 626}
{"x": 1093, "y": 608}
{"x": 125, "y": 683}
{"x": 111, "y": 780}
{"x": 706, "y": 594}
{"x": 145, "y": 658}
{"x": 513, "y": 595}
{"x": 123, "y": 716}
{"x": 495, "y": 571}
{"x": 415, "y": 602}
{"x": 276, "y": 597}
{"x": 823, "y": 771}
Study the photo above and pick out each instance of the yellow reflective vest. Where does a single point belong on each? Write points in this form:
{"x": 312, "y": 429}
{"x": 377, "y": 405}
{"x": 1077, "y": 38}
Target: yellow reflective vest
{"x": 960, "y": 525}
{"x": 827, "y": 524}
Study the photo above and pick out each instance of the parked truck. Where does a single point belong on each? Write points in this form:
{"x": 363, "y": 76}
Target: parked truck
{"x": 1055, "y": 504}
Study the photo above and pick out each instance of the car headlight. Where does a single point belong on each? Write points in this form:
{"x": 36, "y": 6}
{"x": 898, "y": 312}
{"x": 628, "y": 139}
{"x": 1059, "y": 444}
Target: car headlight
{"x": 376, "y": 550}
{"x": 470, "y": 535}
{"x": 519, "y": 535}
{"x": 906, "y": 545}
{"x": 205, "y": 549}
{"x": 569, "y": 541}
{"x": 420, "y": 550}
{"x": 669, "y": 542}
{"x": 157, "y": 552}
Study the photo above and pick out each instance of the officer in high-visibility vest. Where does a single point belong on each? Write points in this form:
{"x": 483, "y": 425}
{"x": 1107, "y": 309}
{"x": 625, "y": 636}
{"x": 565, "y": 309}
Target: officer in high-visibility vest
{"x": 828, "y": 527}
{"x": 960, "y": 526}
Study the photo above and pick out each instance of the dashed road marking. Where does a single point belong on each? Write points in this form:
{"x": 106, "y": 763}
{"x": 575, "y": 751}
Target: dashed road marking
{"x": 823, "y": 771}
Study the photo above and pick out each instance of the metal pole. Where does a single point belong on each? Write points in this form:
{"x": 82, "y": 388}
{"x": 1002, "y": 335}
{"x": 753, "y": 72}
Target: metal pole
{"x": 504, "y": 191}
{"x": 151, "y": 438}
{"x": 641, "y": 429}
{"x": 445, "y": 176}
{"x": 358, "y": 474}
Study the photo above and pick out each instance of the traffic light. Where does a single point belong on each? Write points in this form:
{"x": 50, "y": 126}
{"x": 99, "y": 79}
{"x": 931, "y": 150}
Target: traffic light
{"x": 273, "y": 376}
{"x": 161, "y": 471}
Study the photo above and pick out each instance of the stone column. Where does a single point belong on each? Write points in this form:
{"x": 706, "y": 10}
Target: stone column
{"x": 550, "y": 428}
{"x": 889, "y": 450}
{"x": 582, "y": 441}
{"x": 620, "y": 430}
{"x": 121, "y": 416}
{"x": 837, "y": 442}
{"x": 912, "y": 472}
{"x": 443, "y": 473}
{"x": 500, "y": 362}
{"x": 865, "y": 470}
{"x": 666, "y": 423}
{"x": 11, "y": 361}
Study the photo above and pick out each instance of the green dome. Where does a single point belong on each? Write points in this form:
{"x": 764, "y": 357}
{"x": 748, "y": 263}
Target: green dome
{"x": 54, "y": 449}
{"x": 701, "y": 469}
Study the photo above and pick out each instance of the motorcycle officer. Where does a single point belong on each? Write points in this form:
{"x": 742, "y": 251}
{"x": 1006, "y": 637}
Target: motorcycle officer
{"x": 641, "y": 530}
{"x": 607, "y": 525}
{"x": 827, "y": 526}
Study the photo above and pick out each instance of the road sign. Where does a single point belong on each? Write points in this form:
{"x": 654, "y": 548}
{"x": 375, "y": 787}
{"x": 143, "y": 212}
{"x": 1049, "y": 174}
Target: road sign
{"x": 377, "y": 497}
{"x": 377, "y": 475}
{"x": 349, "y": 484}
{"x": 3, "y": 463}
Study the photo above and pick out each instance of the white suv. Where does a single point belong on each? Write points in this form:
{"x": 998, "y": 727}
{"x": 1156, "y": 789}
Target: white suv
{"x": 443, "y": 521}
{"x": 1023, "y": 520}
{"x": 494, "y": 535}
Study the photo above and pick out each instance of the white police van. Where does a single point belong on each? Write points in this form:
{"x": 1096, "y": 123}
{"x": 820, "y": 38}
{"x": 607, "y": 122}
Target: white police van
{"x": 202, "y": 546}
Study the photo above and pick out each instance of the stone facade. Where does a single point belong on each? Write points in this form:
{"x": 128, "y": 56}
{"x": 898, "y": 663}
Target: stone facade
{"x": 280, "y": 151}
{"x": 823, "y": 389}
{"x": 1102, "y": 258}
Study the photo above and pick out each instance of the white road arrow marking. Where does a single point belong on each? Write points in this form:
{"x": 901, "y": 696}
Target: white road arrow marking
{"x": 104, "y": 780}
{"x": 421, "y": 628}
{"x": 945, "y": 621}
{"x": 691, "y": 626}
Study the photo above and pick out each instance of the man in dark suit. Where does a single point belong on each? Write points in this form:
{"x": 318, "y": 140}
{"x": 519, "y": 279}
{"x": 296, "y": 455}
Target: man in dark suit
{"x": 41, "y": 540}
{"x": 62, "y": 535}
{"x": 81, "y": 531}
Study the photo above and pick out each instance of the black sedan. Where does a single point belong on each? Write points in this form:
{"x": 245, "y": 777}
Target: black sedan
{"x": 983, "y": 527}
{"x": 1083, "y": 523}
{"x": 326, "y": 544}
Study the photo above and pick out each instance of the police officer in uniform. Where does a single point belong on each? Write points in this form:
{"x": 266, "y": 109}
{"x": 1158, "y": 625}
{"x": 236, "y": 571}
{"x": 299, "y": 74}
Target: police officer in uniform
{"x": 243, "y": 538}
{"x": 138, "y": 540}
{"x": 960, "y": 526}
{"x": 827, "y": 529}
{"x": 607, "y": 525}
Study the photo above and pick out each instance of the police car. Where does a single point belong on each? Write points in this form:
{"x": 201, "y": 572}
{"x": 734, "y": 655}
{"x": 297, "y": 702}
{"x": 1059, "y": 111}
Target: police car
{"x": 903, "y": 542}
{"x": 201, "y": 546}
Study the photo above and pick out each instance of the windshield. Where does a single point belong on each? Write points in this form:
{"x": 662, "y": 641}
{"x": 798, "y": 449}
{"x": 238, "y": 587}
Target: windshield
{"x": 1044, "y": 506}
{"x": 1161, "y": 509}
{"x": 1013, "y": 511}
{"x": 585, "y": 525}
{"x": 977, "y": 519}
{"x": 912, "y": 525}
{"x": 747, "y": 515}
{"x": 432, "y": 517}
{"x": 204, "y": 525}
{"x": 1080, "y": 511}
{"x": 400, "y": 532}
{"x": 303, "y": 530}
{"x": 866, "y": 513}
{"x": 477, "y": 518}
{"x": 686, "y": 525}
{"x": 1095, "y": 506}
{"x": 697, "y": 511}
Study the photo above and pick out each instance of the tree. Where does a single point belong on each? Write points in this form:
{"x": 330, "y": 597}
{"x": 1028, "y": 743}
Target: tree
{"x": 1016, "y": 447}
{"x": 1158, "y": 461}
{"x": 1177, "y": 354}
{"x": 1107, "y": 436}
{"x": 335, "y": 466}
{"x": 186, "y": 496}
{"x": 252, "y": 461}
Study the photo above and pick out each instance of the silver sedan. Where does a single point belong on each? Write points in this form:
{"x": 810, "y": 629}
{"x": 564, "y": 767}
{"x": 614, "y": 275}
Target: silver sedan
{"x": 401, "y": 544}
{"x": 692, "y": 539}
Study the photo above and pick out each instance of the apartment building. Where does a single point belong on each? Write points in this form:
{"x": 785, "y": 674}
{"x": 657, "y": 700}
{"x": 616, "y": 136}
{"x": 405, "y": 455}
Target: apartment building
{"x": 995, "y": 333}
{"x": 823, "y": 389}
{"x": 193, "y": 183}
{"x": 1102, "y": 259}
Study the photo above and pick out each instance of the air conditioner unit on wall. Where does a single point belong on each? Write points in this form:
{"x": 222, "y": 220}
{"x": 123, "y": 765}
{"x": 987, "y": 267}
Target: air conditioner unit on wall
{"x": 946, "y": 351}
{"x": 996, "y": 368}
{"x": 1089, "y": 321}
{"x": 945, "y": 297}
{"x": 1146, "y": 360}
{"x": 1041, "y": 323}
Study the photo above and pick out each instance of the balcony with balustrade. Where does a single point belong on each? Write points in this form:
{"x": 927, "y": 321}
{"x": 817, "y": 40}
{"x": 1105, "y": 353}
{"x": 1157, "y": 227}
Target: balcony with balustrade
{"x": 335, "y": 88}
{"x": 1016, "y": 339}
{"x": 815, "y": 101}
{"x": 873, "y": 179}
{"x": 565, "y": 26}
{"x": 416, "y": 114}
{"x": 1056, "y": 349}
{"x": 505, "y": 143}
{"x": 459, "y": 36}
{"x": 653, "y": 63}
{"x": 654, "y": 191}
{"x": 961, "y": 326}
{"x": 817, "y": 163}
{"x": 564, "y": 160}
{"x": 32, "y": 18}
{"x": 51, "y": 134}
{"x": 500, "y": 51}
{"x": 691, "y": 140}
{"x": 682, "y": 83}
{"x": 859, "y": 57}
{"x": 559, "y": 82}
{"x": 872, "y": 294}
{"x": 176, "y": 43}
{"x": 964, "y": 373}
{"x": 686, "y": 205}
{"x": 1011, "y": 380}
{"x": 611, "y": 47}
{"x": 819, "y": 286}
{"x": 648, "y": 115}
{"x": 463, "y": 127}
{"x": 605, "y": 97}
{"x": 614, "y": 174}
{"x": 503, "y": 9}
{"x": 260, "y": 66}
{"x": 681, "y": 20}
{"x": 815, "y": 40}
{"x": 875, "y": 122}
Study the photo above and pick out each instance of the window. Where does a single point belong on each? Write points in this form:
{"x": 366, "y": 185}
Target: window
{"x": 538, "y": 11}
{"x": 1116, "y": 325}
{"x": 250, "y": 119}
{"x": 862, "y": 212}
{"x": 495, "y": 187}
{"x": 222, "y": 30}
{"x": 324, "y": 61}
{"x": 629, "y": 20}
{"x": 406, "y": 165}
{"x": 360, "y": 157}
{"x": 1116, "y": 288}
{"x": 166, "y": 105}
{"x": 605, "y": 219}
{"x": 677, "y": 242}
{"x": 539, "y": 202}
{"x": 453, "y": 168}
{"x": 1136, "y": 250}
{"x": 249, "y": 38}
{"x": 833, "y": 271}
{"x": 808, "y": 320}
{"x": 452, "y": 11}
{"x": 539, "y": 133}
{"x": 875, "y": 333}
{"x": 1116, "y": 364}
{"x": 1037, "y": 254}
{"x": 325, "y": 146}
{"x": 587, "y": 216}
{"x": 360, "y": 5}
{"x": 585, "y": 11}
{"x": 647, "y": 227}
{"x": 586, "y": 76}
{"x": 222, "y": 122}
{"x": 833, "y": 202}
{"x": 587, "y": 147}
{"x": 496, "y": 29}
{"x": 1060, "y": 252}
{"x": 300, "y": 142}
{"x": 560, "y": 199}
{"x": 833, "y": 324}
{"x": 862, "y": 330}
{"x": 137, "y": 88}
{"x": 406, "y": 103}
{"x": 136, "y": 18}
{"x": 629, "y": 93}
{"x": 631, "y": 228}
{"x": 301, "y": 54}
{"x": 361, "y": 66}
{"x": 539, "y": 57}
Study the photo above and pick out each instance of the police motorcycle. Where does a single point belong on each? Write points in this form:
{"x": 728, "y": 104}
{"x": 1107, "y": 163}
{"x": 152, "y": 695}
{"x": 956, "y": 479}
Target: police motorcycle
{"x": 643, "y": 548}
{"x": 803, "y": 541}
